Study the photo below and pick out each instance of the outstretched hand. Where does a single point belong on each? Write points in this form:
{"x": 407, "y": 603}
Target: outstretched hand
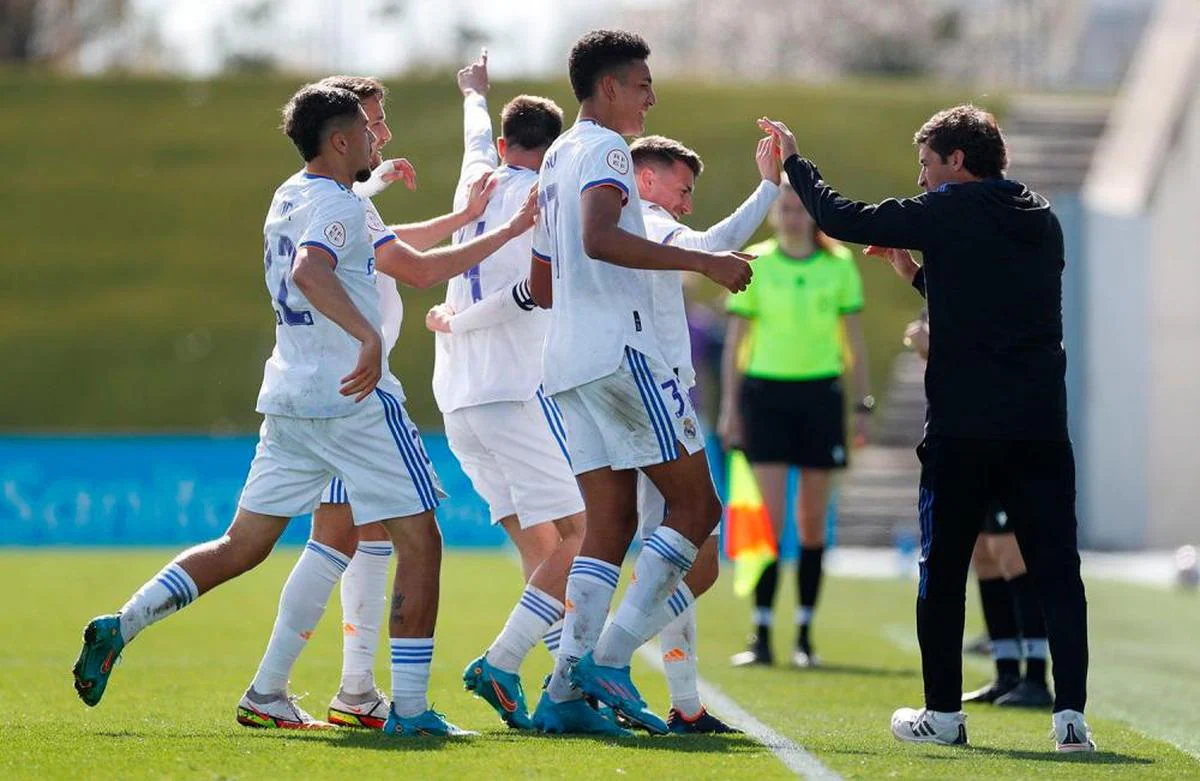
{"x": 785, "y": 142}
{"x": 479, "y": 194}
{"x": 766, "y": 157}
{"x": 900, "y": 259}
{"x": 398, "y": 169}
{"x": 526, "y": 218}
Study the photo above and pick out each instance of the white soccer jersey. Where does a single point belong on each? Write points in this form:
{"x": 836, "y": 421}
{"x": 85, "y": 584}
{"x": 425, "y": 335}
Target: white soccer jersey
{"x": 302, "y": 377}
{"x": 391, "y": 307}
{"x": 599, "y": 308}
{"x": 502, "y": 362}
{"x": 731, "y": 233}
{"x": 670, "y": 315}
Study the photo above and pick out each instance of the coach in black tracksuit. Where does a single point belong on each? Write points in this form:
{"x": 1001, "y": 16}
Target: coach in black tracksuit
{"x": 997, "y": 417}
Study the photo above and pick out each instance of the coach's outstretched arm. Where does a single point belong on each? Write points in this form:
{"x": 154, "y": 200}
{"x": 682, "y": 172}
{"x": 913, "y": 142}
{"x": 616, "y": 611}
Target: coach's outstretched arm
{"x": 606, "y": 241}
{"x": 424, "y": 269}
{"x": 907, "y": 223}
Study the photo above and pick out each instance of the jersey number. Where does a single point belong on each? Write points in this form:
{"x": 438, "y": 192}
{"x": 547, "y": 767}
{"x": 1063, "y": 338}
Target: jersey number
{"x": 673, "y": 386}
{"x": 548, "y": 206}
{"x": 472, "y": 274}
{"x": 285, "y": 315}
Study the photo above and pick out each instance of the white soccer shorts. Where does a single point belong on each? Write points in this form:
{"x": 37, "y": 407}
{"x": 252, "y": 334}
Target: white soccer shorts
{"x": 515, "y": 453}
{"x": 631, "y": 418}
{"x": 376, "y": 453}
{"x": 652, "y": 508}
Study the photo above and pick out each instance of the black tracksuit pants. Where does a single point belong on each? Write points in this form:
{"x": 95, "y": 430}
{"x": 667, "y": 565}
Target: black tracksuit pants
{"x": 1035, "y": 482}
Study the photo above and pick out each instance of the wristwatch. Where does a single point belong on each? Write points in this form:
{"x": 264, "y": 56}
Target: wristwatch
{"x": 866, "y": 405}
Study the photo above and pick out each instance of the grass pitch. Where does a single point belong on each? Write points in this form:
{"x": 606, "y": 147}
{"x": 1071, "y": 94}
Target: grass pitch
{"x": 169, "y": 711}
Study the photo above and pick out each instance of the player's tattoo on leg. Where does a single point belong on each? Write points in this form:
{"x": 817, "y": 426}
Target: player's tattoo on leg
{"x": 397, "y": 608}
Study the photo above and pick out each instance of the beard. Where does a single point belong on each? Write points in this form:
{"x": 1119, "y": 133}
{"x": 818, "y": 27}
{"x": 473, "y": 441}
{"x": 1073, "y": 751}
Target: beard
{"x": 362, "y": 175}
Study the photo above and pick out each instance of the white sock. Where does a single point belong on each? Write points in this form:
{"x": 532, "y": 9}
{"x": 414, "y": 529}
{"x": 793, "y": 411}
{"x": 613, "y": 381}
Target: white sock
{"x": 364, "y": 600}
{"x": 301, "y": 606}
{"x": 590, "y": 588}
{"x": 411, "y": 658}
{"x": 804, "y": 616}
{"x": 553, "y": 637}
{"x": 762, "y": 616}
{"x": 1036, "y": 649}
{"x": 678, "y": 640}
{"x": 171, "y": 590}
{"x": 664, "y": 560}
{"x": 533, "y": 616}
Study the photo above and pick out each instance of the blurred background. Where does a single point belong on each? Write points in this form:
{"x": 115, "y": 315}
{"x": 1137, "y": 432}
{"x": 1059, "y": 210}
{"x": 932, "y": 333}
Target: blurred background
{"x": 139, "y": 148}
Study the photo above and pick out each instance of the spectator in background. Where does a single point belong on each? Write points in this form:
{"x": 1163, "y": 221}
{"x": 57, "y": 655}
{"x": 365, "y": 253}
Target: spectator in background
{"x": 782, "y": 399}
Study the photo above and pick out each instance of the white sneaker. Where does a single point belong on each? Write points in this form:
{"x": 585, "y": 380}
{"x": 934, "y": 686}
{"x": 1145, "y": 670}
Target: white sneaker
{"x": 278, "y": 713}
{"x": 1071, "y": 732}
{"x": 368, "y": 710}
{"x": 927, "y": 726}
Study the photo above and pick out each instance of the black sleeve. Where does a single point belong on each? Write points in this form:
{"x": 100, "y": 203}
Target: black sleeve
{"x": 919, "y": 281}
{"x": 892, "y": 223}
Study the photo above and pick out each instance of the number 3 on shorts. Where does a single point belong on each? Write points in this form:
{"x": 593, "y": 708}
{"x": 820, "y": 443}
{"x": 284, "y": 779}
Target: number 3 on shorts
{"x": 673, "y": 386}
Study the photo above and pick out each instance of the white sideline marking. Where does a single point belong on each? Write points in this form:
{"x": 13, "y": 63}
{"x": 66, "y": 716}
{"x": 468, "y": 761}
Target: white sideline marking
{"x": 789, "y": 753}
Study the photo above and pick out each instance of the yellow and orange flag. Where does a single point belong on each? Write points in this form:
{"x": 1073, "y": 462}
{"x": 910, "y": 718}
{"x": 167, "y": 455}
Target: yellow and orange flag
{"x": 749, "y": 538}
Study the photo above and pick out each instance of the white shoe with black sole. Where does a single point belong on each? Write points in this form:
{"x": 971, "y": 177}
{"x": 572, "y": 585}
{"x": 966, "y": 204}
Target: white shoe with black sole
{"x": 926, "y": 726}
{"x": 1071, "y": 732}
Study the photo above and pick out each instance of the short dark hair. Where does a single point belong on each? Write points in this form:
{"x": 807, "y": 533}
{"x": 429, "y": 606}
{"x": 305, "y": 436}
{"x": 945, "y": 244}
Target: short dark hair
{"x": 599, "y": 53}
{"x": 364, "y": 87}
{"x": 660, "y": 150}
{"x": 309, "y": 116}
{"x": 531, "y": 122}
{"x": 972, "y": 130}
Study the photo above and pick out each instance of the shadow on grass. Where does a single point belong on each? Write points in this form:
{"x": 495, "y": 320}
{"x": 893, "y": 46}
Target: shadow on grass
{"x": 377, "y": 741}
{"x": 1079, "y": 757}
{"x": 857, "y": 669}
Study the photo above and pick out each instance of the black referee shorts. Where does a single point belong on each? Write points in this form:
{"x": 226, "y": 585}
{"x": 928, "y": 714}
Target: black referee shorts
{"x": 795, "y": 422}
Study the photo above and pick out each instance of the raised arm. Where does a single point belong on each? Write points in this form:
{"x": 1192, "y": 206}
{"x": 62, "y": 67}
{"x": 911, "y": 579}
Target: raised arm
{"x": 735, "y": 231}
{"x": 425, "y": 269}
{"x": 905, "y": 223}
{"x": 430, "y": 233}
{"x": 605, "y": 241}
{"x": 479, "y": 150}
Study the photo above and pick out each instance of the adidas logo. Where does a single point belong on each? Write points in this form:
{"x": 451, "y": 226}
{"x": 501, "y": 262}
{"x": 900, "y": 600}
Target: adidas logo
{"x": 675, "y": 655}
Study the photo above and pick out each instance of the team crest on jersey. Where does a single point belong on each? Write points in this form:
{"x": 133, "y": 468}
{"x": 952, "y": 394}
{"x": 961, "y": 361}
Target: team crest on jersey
{"x": 618, "y": 161}
{"x": 374, "y": 222}
{"x": 689, "y": 428}
{"x": 336, "y": 233}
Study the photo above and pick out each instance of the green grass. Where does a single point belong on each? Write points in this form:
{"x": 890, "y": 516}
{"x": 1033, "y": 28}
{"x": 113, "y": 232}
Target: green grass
{"x": 169, "y": 709}
{"x": 131, "y": 292}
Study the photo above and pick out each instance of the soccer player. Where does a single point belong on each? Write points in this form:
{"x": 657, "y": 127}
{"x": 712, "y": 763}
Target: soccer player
{"x": 996, "y": 426}
{"x": 666, "y": 172}
{"x": 622, "y": 404}
{"x": 334, "y": 536}
{"x": 507, "y": 435}
{"x": 331, "y": 407}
